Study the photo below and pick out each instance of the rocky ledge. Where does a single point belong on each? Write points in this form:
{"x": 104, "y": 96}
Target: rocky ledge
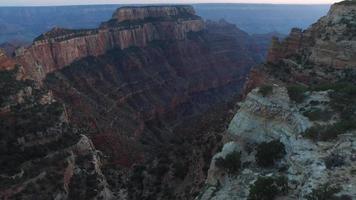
{"x": 294, "y": 135}
{"x": 306, "y": 165}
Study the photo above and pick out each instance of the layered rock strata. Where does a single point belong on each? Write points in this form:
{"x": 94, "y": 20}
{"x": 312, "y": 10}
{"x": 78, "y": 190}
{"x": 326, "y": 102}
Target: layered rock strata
{"x": 133, "y": 90}
{"x": 329, "y": 42}
{"x": 60, "y": 47}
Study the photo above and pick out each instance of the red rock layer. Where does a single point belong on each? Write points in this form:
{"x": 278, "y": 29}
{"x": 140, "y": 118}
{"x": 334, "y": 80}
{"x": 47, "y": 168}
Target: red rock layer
{"x": 60, "y": 47}
{"x": 288, "y": 47}
{"x": 117, "y": 93}
{"x": 6, "y": 63}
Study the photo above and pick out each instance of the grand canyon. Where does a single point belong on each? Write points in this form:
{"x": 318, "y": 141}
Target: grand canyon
{"x": 157, "y": 102}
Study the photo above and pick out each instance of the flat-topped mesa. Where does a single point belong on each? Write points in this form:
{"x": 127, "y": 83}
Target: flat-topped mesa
{"x": 151, "y": 12}
{"x": 130, "y": 26}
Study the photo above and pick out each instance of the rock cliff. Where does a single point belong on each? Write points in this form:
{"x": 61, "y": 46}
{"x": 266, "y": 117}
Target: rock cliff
{"x": 293, "y": 135}
{"x": 329, "y": 42}
{"x": 129, "y": 107}
{"x": 134, "y": 99}
{"x": 60, "y": 47}
{"x": 42, "y": 155}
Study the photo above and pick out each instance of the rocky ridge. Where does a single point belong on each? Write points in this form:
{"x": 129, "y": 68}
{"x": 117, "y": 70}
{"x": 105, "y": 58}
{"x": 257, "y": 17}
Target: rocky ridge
{"x": 329, "y": 42}
{"x": 297, "y": 105}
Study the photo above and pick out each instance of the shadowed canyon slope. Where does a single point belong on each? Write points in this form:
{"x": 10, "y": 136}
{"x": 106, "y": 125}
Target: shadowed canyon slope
{"x": 145, "y": 95}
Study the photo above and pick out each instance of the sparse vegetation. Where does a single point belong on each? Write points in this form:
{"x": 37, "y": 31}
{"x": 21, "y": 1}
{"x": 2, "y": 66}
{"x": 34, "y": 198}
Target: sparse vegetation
{"x": 9, "y": 85}
{"x": 231, "y": 163}
{"x": 325, "y": 133}
{"x": 269, "y": 152}
{"x": 334, "y": 160}
{"x": 342, "y": 98}
{"x": 297, "y": 93}
{"x": 265, "y": 90}
{"x": 324, "y": 192}
{"x": 318, "y": 114}
{"x": 267, "y": 188}
{"x": 279, "y": 70}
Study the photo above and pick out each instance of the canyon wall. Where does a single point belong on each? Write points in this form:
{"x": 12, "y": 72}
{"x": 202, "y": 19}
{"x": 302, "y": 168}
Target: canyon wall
{"x": 60, "y": 47}
{"x": 132, "y": 100}
{"x": 140, "y": 92}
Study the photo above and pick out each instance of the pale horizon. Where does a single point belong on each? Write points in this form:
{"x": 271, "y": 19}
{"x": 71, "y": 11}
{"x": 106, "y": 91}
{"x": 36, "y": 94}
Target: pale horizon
{"x": 97, "y": 2}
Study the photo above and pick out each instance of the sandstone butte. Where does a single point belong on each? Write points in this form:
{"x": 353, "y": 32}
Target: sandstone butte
{"x": 129, "y": 26}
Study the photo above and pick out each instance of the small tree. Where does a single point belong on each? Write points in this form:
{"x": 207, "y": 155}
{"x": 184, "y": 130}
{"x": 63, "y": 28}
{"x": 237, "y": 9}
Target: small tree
{"x": 324, "y": 192}
{"x": 296, "y": 93}
{"x": 267, "y": 188}
{"x": 269, "y": 152}
{"x": 231, "y": 163}
{"x": 265, "y": 90}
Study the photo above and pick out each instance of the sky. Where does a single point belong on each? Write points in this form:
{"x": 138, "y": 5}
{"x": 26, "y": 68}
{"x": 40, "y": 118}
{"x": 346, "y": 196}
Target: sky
{"x": 85, "y": 2}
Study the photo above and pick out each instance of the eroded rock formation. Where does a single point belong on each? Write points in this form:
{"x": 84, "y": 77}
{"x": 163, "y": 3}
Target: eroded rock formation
{"x": 144, "y": 97}
{"x": 329, "y": 42}
{"x": 292, "y": 136}
{"x": 60, "y": 47}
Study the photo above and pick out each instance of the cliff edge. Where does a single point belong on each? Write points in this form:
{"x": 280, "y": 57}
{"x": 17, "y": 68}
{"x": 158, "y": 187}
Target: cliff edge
{"x": 134, "y": 26}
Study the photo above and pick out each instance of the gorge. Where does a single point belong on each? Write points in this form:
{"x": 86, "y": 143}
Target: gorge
{"x": 135, "y": 98}
{"x": 157, "y": 103}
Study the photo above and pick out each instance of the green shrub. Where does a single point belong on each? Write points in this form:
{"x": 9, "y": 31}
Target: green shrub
{"x": 339, "y": 87}
{"x": 344, "y": 104}
{"x": 265, "y": 90}
{"x": 231, "y": 163}
{"x": 296, "y": 93}
{"x": 318, "y": 115}
{"x": 324, "y": 192}
{"x": 342, "y": 97}
{"x": 267, "y": 188}
{"x": 325, "y": 133}
{"x": 269, "y": 152}
{"x": 334, "y": 160}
